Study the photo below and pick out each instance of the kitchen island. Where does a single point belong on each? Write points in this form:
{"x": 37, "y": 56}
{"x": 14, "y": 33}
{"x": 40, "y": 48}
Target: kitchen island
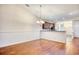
{"x": 59, "y": 36}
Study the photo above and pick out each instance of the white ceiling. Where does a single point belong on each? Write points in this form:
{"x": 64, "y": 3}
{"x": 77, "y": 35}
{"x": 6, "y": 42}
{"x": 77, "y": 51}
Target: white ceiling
{"x": 55, "y": 12}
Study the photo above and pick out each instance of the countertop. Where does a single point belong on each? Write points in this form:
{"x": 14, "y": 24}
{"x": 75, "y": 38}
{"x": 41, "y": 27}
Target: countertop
{"x": 47, "y": 30}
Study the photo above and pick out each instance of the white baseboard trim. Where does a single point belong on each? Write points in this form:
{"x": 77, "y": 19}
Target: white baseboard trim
{"x": 9, "y": 44}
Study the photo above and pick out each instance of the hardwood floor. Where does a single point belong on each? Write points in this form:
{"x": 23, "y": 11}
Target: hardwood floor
{"x": 73, "y": 47}
{"x": 35, "y": 47}
{"x": 75, "y": 44}
{"x": 42, "y": 47}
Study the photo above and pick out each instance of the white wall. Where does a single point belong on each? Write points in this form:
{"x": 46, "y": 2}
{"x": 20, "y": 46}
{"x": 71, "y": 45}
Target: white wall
{"x": 16, "y": 18}
{"x": 76, "y": 28}
{"x": 17, "y": 25}
{"x": 10, "y": 38}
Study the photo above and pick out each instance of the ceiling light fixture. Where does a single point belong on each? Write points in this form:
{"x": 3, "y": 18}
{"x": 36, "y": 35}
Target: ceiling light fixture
{"x": 40, "y": 21}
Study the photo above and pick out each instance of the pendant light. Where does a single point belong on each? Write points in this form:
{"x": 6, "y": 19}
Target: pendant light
{"x": 46, "y": 50}
{"x": 40, "y": 21}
